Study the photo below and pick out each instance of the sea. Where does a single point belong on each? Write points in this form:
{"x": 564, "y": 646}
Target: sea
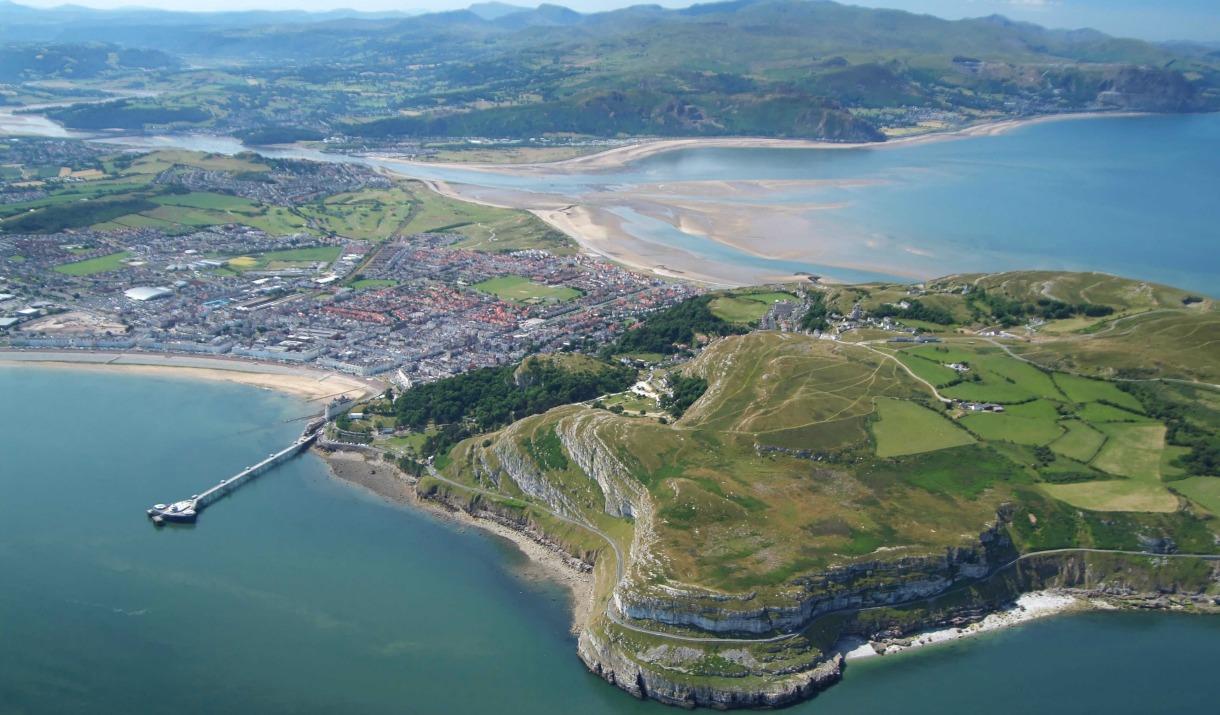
{"x": 1129, "y": 195}
{"x": 303, "y": 594}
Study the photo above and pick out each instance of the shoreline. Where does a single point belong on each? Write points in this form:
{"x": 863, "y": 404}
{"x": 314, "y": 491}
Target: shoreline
{"x": 611, "y": 241}
{"x": 1031, "y": 606}
{"x": 588, "y": 220}
{"x": 309, "y": 384}
{"x": 618, "y": 157}
{"x": 386, "y": 481}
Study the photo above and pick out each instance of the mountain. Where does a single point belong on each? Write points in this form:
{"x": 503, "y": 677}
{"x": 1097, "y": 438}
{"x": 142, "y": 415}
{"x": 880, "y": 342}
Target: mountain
{"x": 495, "y": 10}
{"x": 786, "y": 68}
{"x": 80, "y": 62}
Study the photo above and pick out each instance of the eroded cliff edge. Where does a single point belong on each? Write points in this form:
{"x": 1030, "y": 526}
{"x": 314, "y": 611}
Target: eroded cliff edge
{"x": 734, "y": 549}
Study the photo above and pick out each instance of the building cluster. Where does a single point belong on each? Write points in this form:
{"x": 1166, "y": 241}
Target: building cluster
{"x": 287, "y": 183}
{"x": 59, "y": 161}
{"x": 413, "y": 308}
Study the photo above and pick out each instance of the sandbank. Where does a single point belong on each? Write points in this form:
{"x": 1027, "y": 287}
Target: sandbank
{"x": 738, "y": 214}
{"x": 617, "y": 157}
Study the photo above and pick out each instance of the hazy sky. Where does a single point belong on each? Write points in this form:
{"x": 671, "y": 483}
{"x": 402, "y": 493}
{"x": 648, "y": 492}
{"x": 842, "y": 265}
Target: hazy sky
{"x": 1149, "y": 19}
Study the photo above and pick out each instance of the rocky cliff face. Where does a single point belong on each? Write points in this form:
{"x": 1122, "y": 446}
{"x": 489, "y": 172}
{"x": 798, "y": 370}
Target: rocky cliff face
{"x": 609, "y": 662}
{"x": 582, "y": 440}
{"x": 683, "y": 645}
{"x": 862, "y": 585}
{"x": 1149, "y": 90}
{"x": 506, "y": 460}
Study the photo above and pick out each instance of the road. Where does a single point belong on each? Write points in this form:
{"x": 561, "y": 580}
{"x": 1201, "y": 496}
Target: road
{"x": 1007, "y": 350}
{"x": 902, "y": 365}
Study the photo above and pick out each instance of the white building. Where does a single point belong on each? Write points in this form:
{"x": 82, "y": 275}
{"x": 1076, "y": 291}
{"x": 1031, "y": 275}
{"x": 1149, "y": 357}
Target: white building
{"x": 143, "y": 293}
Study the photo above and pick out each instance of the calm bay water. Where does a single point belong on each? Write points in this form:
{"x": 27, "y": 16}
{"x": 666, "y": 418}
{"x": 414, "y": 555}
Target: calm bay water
{"x": 303, "y": 595}
{"x": 1135, "y": 196}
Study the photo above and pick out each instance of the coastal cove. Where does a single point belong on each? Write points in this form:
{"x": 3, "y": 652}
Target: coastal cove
{"x": 1121, "y": 194}
{"x": 302, "y": 593}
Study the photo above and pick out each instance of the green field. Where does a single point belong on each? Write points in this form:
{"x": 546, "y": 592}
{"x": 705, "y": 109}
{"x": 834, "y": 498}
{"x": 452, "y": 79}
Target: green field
{"x": 905, "y": 427}
{"x": 373, "y": 283}
{"x": 1083, "y": 389}
{"x": 631, "y": 403}
{"x": 519, "y": 289}
{"x": 101, "y": 264}
{"x": 927, "y": 368}
{"x": 1204, "y": 491}
{"x": 1004, "y": 427}
{"x": 1132, "y": 451}
{"x": 745, "y": 308}
{"x": 1004, "y": 379}
{"x": 738, "y": 310}
{"x": 370, "y": 215}
{"x": 411, "y": 207}
{"x": 204, "y": 200}
{"x": 644, "y": 357}
{"x": 1079, "y": 442}
{"x": 1097, "y": 413}
{"x": 1115, "y": 495}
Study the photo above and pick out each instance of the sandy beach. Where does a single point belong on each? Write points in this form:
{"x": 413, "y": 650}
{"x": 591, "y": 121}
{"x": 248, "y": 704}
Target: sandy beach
{"x": 1028, "y": 607}
{"x": 591, "y": 222}
{"x": 387, "y": 482}
{"x": 617, "y": 157}
{"x": 742, "y": 215}
{"x": 297, "y": 381}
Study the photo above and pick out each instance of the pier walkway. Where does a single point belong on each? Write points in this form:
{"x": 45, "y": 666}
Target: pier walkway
{"x": 187, "y": 510}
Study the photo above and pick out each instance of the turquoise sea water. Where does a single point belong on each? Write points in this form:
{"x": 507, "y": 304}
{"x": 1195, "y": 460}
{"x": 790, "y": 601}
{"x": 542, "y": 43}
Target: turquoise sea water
{"x": 303, "y": 595}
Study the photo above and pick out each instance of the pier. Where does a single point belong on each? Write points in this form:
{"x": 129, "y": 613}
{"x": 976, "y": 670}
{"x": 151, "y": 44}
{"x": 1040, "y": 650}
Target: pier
{"x": 186, "y": 510}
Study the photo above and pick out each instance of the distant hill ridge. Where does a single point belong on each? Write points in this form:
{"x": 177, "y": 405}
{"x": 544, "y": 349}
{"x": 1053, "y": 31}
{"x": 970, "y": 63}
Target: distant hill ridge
{"x": 786, "y": 68}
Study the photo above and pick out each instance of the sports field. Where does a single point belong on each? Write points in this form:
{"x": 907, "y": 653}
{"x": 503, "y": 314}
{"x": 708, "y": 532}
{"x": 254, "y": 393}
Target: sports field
{"x": 519, "y": 289}
{"x": 288, "y": 258}
{"x": 746, "y": 307}
{"x": 101, "y": 264}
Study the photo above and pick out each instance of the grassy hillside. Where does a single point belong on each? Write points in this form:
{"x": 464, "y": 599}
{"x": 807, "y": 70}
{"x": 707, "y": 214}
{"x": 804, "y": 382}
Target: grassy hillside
{"x": 128, "y": 193}
{"x": 812, "y": 472}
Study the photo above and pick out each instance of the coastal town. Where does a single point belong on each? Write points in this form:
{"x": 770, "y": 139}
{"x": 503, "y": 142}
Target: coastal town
{"x": 227, "y": 282}
{"x": 416, "y": 306}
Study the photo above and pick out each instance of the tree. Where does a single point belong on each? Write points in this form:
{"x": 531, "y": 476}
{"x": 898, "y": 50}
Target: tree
{"x": 684, "y": 392}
